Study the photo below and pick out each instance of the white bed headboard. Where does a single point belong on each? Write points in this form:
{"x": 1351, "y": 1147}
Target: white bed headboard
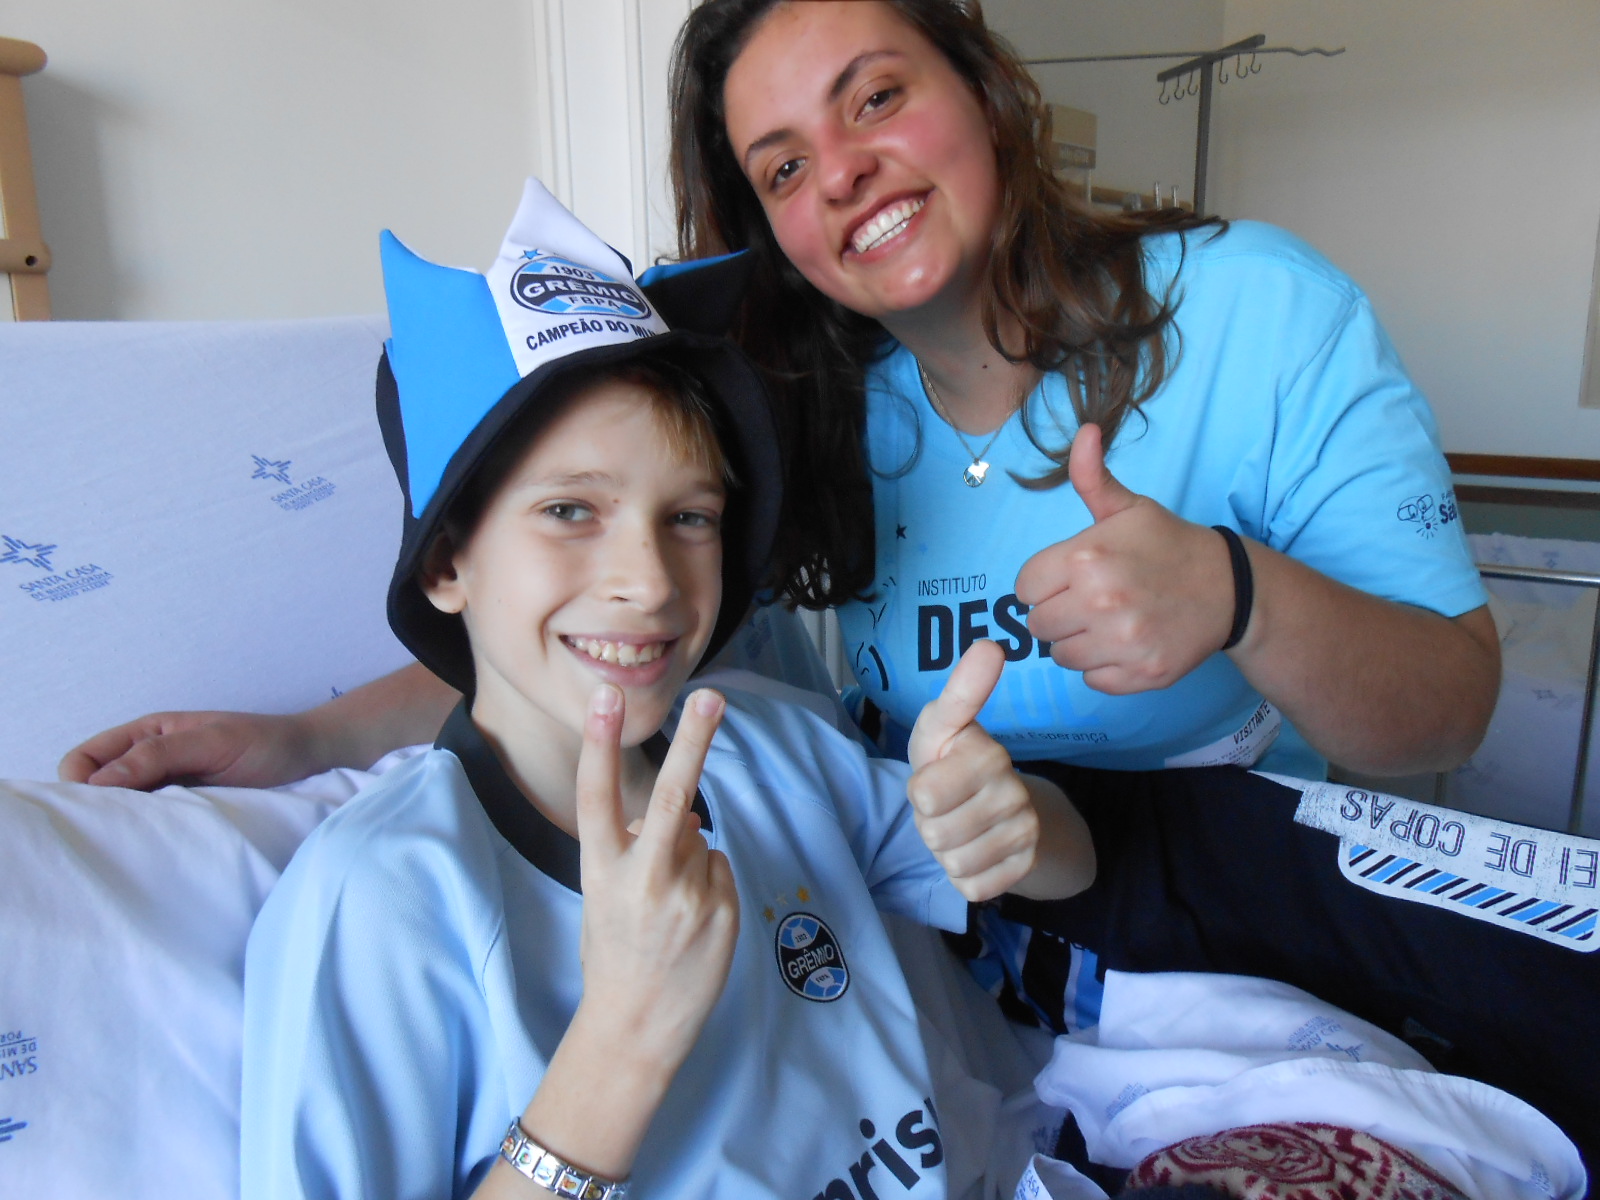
{"x": 192, "y": 515}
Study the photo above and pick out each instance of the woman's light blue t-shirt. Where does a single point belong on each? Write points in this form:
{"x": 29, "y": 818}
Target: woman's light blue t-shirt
{"x": 1285, "y": 415}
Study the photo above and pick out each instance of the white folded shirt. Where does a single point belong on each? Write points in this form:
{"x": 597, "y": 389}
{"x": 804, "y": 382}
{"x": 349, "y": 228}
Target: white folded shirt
{"x": 1180, "y": 1055}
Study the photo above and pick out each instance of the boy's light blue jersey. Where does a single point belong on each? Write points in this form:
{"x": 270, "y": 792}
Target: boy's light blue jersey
{"x": 1285, "y": 415}
{"x": 413, "y": 972}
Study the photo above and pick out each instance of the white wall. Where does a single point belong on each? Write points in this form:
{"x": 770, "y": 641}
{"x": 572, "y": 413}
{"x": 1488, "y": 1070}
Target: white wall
{"x": 202, "y": 160}
{"x": 1141, "y": 142}
{"x": 1450, "y": 161}
{"x": 608, "y": 63}
{"x": 199, "y": 160}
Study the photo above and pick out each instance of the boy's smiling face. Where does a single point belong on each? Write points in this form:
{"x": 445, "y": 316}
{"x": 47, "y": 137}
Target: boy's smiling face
{"x": 599, "y": 558}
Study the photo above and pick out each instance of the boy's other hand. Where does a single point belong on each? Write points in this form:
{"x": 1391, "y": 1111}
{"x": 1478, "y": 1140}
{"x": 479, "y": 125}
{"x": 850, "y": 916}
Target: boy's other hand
{"x": 660, "y": 912}
{"x": 972, "y": 808}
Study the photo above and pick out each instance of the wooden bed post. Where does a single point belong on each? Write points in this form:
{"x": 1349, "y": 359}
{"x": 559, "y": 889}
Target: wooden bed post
{"x": 24, "y": 258}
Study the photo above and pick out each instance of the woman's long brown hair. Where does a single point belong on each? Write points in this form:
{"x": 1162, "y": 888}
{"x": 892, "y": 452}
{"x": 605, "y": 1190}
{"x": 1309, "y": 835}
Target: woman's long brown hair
{"x": 1070, "y": 278}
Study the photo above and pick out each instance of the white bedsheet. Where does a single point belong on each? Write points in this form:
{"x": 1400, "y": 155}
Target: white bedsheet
{"x": 192, "y": 515}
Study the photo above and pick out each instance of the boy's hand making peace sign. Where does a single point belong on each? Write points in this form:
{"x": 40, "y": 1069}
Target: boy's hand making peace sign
{"x": 660, "y": 914}
{"x": 660, "y": 918}
{"x": 992, "y": 829}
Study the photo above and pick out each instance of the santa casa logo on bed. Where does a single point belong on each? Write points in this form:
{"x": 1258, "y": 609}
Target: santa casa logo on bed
{"x": 300, "y": 495}
{"x": 810, "y": 959}
{"x": 54, "y": 585}
{"x": 270, "y": 468}
{"x": 26, "y": 554}
{"x": 19, "y": 1055}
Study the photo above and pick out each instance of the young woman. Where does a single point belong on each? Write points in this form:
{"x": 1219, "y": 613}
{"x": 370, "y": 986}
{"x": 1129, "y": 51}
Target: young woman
{"x": 943, "y": 318}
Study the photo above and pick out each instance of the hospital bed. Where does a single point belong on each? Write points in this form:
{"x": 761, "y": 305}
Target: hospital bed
{"x": 200, "y": 516}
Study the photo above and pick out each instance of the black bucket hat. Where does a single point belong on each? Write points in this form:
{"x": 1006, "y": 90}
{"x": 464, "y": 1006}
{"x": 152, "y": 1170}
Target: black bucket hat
{"x": 470, "y": 353}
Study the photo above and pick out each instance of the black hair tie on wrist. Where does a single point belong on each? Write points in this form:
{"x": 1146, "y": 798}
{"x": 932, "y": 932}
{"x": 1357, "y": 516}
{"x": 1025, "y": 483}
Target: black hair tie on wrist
{"x": 1244, "y": 585}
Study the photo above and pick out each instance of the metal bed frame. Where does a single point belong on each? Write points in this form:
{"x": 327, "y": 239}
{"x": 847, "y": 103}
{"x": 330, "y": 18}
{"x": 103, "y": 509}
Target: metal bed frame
{"x": 1586, "y": 722}
{"x": 1564, "y": 483}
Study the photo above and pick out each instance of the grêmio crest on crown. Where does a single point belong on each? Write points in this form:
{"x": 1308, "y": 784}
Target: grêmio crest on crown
{"x": 551, "y": 284}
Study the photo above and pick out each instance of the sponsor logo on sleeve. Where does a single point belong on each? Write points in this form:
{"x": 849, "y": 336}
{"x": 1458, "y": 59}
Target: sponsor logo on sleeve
{"x": 1428, "y": 515}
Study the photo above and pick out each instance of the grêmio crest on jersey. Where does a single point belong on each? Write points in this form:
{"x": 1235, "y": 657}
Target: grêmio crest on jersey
{"x": 810, "y": 958}
{"x": 551, "y": 284}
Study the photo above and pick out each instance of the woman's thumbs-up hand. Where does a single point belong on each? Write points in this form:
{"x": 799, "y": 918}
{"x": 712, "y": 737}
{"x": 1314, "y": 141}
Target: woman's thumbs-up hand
{"x": 1137, "y": 600}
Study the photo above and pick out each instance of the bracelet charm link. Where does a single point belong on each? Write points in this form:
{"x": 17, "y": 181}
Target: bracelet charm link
{"x": 554, "y": 1174}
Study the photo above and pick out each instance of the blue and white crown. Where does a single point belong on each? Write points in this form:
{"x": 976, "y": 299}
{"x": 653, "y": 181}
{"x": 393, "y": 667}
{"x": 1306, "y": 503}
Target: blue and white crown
{"x": 460, "y": 340}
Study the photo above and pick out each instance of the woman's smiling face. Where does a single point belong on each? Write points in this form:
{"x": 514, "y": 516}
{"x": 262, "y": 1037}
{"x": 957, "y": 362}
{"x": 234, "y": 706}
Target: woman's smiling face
{"x": 871, "y": 155}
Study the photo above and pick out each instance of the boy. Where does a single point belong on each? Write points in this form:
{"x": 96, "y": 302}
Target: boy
{"x": 657, "y": 962}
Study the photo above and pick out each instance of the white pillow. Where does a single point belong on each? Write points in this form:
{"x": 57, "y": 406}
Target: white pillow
{"x": 194, "y": 515}
{"x": 121, "y": 998}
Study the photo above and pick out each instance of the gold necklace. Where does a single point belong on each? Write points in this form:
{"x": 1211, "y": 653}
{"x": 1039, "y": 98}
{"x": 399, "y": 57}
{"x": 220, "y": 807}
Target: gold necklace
{"x": 974, "y": 474}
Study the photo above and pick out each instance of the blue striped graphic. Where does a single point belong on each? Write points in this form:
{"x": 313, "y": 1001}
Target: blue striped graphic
{"x": 1548, "y": 916}
{"x": 1580, "y": 926}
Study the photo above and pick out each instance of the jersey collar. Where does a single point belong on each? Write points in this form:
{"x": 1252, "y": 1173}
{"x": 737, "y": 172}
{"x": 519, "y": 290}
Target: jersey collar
{"x": 541, "y": 842}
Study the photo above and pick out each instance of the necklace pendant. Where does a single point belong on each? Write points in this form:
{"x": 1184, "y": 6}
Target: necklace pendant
{"x": 974, "y": 475}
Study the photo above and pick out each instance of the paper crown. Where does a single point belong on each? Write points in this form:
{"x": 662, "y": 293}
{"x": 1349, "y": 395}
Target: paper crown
{"x": 469, "y": 353}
